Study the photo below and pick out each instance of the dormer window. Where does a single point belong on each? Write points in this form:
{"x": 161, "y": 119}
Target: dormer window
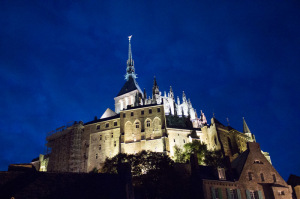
{"x": 257, "y": 162}
{"x": 221, "y": 173}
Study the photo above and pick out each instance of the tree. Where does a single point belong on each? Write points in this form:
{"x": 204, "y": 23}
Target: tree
{"x": 214, "y": 158}
{"x": 195, "y": 147}
{"x": 141, "y": 163}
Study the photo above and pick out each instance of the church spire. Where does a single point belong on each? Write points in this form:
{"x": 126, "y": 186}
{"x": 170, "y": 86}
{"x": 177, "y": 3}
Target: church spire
{"x": 130, "y": 71}
{"x": 245, "y": 127}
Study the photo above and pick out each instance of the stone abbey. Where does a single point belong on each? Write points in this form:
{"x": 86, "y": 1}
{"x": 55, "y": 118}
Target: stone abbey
{"x": 157, "y": 123}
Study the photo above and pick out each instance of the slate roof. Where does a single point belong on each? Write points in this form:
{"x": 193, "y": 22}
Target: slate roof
{"x": 130, "y": 85}
{"x": 239, "y": 162}
{"x": 108, "y": 113}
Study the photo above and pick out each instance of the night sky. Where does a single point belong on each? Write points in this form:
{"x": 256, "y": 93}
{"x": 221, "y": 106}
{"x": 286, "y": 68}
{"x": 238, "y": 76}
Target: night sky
{"x": 64, "y": 61}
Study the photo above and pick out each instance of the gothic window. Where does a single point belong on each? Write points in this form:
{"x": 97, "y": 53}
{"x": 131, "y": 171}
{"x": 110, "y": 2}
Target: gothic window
{"x": 142, "y": 112}
{"x": 148, "y": 123}
{"x": 262, "y": 177}
{"x": 150, "y": 111}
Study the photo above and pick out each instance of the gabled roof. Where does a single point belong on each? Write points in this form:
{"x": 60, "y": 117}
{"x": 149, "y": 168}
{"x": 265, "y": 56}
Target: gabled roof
{"x": 130, "y": 85}
{"x": 239, "y": 162}
{"x": 108, "y": 113}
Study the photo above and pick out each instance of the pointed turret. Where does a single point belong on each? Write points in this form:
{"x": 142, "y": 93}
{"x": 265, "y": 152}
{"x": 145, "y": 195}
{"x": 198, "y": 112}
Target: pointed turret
{"x": 245, "y": 127}
{"x": 155, "y": 89}
{"x": 247, "y": 131}
{"x": 130, "y": 71}
{"x": 171, "y": 92}
{"x": 183, "y": 97}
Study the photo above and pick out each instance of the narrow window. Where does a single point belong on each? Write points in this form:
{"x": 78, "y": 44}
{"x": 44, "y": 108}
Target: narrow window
{"x": 250, "y": 176}
{"x": 112, "y": 135}
{"x": 98, "y": 127}
{"x": 142, "y": 112}
{"x": 107, "y": 125}
{"x": 100, "y": 147}
{"x": 115, "y": 123}
{"x": 96, "y": 155}
{"x": 158, "y": 110}
{"x": 100, "y": 137}
{"x": 137, "y": 125}
{"x": 131, "y": 113}
{"x": 221, "y": 173}
{"x": 274, "y": 177}
{"x": 148, "y": 123}
{"x": 174, "y": 140}
{"x": 115, "y": 143}
{"x": 150, "y": 111}
{"x": 216, "y": 140}
{"x": 184, "y": 141}
{"x": 124, "y": 114}
{"x": 262, "y": 177}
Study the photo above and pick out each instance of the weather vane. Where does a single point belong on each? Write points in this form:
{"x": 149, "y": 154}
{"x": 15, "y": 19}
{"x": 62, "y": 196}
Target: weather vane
{"x": 129, "y": 37}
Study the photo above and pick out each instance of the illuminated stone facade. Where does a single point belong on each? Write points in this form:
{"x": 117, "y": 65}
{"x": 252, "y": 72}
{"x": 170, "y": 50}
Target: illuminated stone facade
{"x": 156, "y": 123}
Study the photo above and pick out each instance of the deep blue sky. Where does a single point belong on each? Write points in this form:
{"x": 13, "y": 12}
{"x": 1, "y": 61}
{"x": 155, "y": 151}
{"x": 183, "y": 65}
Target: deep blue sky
{"x": 62, "y": 61}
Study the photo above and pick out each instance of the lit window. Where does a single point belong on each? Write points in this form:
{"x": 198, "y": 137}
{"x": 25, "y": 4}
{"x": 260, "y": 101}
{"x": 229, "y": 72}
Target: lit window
{"x": 137, "y": 125}
{"x": 98, "y": 127}
{"x": 115, "y": 123}
{"x": 148, "y": 123}
{"x": 96, "y": 155}
{"x": 107, "y": 125}
{"x": 158, "y": 110}
{"x": 281, "y": 193}
{"x": 150, "y": 111}
{"x": 142, "y": 112}
{"x": 100, "y": 147}
{"x": 131, "y": 114}
{"x": 221, "y": 173}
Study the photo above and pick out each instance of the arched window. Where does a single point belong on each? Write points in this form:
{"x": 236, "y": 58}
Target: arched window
{"x": 148, "y": 123}
{"x": 137, "y": 125}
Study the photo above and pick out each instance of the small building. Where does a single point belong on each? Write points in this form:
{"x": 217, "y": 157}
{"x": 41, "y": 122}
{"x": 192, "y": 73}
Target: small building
{"x": 249, "y": 176}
